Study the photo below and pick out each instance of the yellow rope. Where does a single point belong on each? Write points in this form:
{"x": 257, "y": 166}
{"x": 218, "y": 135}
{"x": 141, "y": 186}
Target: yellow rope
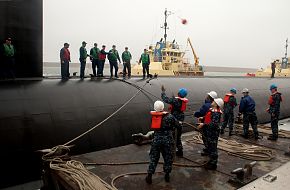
{"x": 232, "y": 147}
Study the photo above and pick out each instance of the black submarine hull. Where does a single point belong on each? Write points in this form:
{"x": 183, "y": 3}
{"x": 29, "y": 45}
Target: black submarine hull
{"x": 39, "y": 114}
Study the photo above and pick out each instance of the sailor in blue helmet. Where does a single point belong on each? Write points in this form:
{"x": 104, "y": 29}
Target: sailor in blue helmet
{"x": 230, "y": 102}
{"x": 177, "y": 108}
{"x": 274, "y": 110}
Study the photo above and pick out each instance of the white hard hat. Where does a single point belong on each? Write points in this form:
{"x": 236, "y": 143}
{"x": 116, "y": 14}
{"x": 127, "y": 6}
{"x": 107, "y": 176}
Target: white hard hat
{"x": 219, "y": 102}
{"x": 245, "y": 90}
{"x": 158, "y": 106}
{"x": 212, "y": 94}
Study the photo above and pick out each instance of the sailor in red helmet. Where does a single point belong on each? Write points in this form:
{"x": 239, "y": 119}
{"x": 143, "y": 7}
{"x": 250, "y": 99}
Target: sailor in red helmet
{"x": 177, "y": 109}
{"x": 212, "y": 120}
{"x": 162, "y": 124}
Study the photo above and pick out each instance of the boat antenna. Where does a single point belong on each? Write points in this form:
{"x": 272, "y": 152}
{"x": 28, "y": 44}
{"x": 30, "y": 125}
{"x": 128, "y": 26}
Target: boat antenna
{"x": 286, "y": 46}
{"x": 165, "y": 26}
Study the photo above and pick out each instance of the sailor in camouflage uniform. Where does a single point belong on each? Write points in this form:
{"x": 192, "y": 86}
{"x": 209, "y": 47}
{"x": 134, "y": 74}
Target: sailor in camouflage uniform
{"x": 177, "y": 108}
{"x": 230, "y": 102}
{"x": 274, "y": 109}
{"x": 212, "y": 121}
{"x": 163, "y": 124}
{"x": 247, "y": 108}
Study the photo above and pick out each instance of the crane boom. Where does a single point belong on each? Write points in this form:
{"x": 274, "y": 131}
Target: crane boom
{"x": 196, "y": 59}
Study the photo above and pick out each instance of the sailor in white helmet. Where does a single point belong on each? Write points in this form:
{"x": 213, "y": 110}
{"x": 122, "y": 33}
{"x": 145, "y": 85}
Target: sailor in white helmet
{"x": 201, "y": 113}
{"x": 163, "y": 124}
{"x": 212, "y": 120}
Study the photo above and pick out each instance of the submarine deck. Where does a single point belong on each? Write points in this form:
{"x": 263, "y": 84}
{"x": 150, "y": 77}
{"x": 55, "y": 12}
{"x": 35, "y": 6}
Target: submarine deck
{"x": 183, "y": 177}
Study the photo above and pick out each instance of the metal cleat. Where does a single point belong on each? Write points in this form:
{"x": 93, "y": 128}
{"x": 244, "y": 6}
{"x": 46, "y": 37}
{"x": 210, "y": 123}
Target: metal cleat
{"x": 243, "y": 175}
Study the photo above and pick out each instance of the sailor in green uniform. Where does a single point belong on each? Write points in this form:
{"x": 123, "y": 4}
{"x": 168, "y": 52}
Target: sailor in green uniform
{"x": 8, "y": 53}
{"x": 113, "y": 56}
{"x": 145, "y": 63}
{"x": 94, "y": 57}
{"x": 126, "y": 58}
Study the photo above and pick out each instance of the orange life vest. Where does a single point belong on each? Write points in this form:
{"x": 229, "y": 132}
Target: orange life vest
{"x": 271, "y": 101}
{"x": 157, "y": 119}
{"x": 207, "y": 118}
{"x": 183, "y": 105}
{"x": 227, "y": 97}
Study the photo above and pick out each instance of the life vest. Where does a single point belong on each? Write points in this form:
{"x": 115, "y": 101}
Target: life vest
{"x": 102, "y": 56}
{"x": 207, "y": 118}
{"x": 157, "y": 119}
{"x": 183, "y": 105}
{"x": 66, "y": 54}
{"x": 271, "y": 100}
{"x": 145, "y": 58}
{"x": 227, "y": 97}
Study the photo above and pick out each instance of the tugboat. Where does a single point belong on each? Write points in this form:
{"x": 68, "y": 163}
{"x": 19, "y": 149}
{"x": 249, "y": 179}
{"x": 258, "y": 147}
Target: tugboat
{"x": 282, "y": 67}
{"x": 167, "y": 59}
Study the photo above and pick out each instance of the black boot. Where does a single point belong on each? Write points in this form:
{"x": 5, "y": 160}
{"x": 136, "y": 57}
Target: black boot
{"x": 230, "y": 133}
{"x": 167, "y": 177}
{"x": 222, "y": 131}
{"x": 149, "y": 179}
{"x": 245, "y": 136}
{"x": 179, "y": 153}
{"x": 272, "y": 138}
{"x": 210, "y": 166}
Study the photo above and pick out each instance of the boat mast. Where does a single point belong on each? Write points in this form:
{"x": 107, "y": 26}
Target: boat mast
{"x": 166, "y": 14}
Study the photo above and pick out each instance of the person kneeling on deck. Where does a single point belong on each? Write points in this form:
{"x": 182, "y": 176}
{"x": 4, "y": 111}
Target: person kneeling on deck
{"x": 163, "y": 124}
{"x": 230, "y": 103}
{"x": 212, "y": 121}
{"x": 274, "y": 109}
{"x": 247, "y": 108}
{"x": 201, "y": 113}
{"x": 177, "y": 108}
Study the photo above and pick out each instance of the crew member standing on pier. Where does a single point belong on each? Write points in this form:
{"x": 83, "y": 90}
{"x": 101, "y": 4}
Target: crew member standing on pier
{"x": 162, "y": 124}
{"x": 274, "y": 110}
{"x": 94, "y": 56}
{"x": 145, "y": 58}
{"x": 247, "y": 108}
{"x": 230, "y": 102}
{"x": 177, "y": 109}
{"x": 126, "y": 58}
{"x": 273, "y": 67}
{"x": 83, "y": 59}
{"x": 212, "y": 120}
{"x": 201, "y": 113}
{"x": 102, "y": 60}
{"x": 113, "y": 56}
{"x": 64, "y": 61}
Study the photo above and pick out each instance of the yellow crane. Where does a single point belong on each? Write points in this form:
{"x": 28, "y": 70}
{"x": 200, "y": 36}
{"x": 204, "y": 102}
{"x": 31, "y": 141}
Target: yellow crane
{"x": 196, "y": 59}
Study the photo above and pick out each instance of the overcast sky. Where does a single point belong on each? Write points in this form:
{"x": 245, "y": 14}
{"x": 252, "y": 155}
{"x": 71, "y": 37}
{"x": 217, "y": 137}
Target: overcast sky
{"x": 237, "y": 33}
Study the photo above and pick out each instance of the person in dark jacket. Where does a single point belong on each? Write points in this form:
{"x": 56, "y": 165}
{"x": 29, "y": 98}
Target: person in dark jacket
{"x": 94, "y": 56}
{"x": 64, "y": 61}
{"x": 145, "y": 59}
{"x": 177, "y": 108}
{"x": 102, "y": 59}
{"x": 83, "y": 58}
{"x": 274, "y": 110}
{"x": 247, "y": 108}
{"x": 126, "y": 58}
{"x": 273, "y": 67}
{"x": 113, "y": 56}
{"x": 230, "y": 102}
{"x": 163, "y": 124}
{"x": 212, "y": 120}
{"x": 201, "y": 113}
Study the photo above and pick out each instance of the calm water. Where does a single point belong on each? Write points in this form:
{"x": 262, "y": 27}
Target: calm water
{"x": 55, "y": 71}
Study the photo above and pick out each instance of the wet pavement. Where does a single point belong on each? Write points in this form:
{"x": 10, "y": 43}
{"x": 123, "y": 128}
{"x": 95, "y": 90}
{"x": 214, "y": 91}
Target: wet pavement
{"x": 182, "y": 178}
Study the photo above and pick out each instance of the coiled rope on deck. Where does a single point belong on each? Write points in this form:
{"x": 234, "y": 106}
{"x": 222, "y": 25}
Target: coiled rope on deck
{"x": 232, "y": 147}
{"x": 85, "y": 179}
